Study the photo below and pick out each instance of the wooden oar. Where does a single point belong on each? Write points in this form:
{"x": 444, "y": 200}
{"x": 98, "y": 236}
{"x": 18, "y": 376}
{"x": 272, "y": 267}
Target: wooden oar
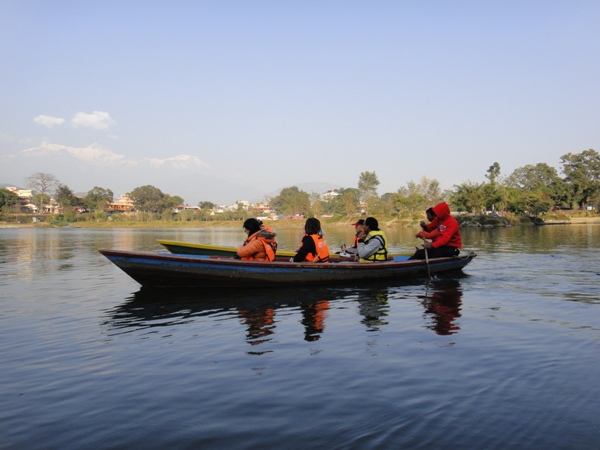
{"x": 427, "y": 258}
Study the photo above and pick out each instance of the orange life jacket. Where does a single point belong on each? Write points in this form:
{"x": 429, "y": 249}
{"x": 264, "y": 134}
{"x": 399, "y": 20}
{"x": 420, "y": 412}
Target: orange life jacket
{"x": 322, "y": 249}
{"x": 274, "y": 242}
{"x": 269, "y": 250}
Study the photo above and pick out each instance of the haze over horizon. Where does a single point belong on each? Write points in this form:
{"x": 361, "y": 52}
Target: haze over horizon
{"x": 226, "y": 101}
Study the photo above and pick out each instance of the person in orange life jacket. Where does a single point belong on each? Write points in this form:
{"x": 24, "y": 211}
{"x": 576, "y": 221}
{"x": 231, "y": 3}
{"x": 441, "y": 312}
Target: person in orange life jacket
{"x": 358, "y": 226}
{"x": 444, "y": 232}
{"x": 372, "y": 242}
{"x": 313, "y": 248}
{"x": 270, "y": 230}
{"x": 259, "y": 244}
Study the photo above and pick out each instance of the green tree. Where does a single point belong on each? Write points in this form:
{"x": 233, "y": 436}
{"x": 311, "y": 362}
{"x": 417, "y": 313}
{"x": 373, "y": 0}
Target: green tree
{"x": 172, "y": 201}
{"x": 65, "y": 197}
{"x": 291, "y": 200}
{"x": 409, "y": 199}
{"x": 206, "y": 205}
{"x": 148, "y": 199}
{"x": 348, "y": 201}
{"x": 582, "y": 175}
{"x": 416, "y": 196}
{"x": 469, "y": 196}
{"x": 540, "y": 178}
{"x": 493, "y": 173}
{"x": 8, "y": 198}
{"x": 367, "y": 187}
{"x": 97, "y": 198}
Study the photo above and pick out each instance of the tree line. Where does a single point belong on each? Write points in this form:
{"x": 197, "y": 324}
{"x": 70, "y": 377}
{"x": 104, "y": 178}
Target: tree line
{"x": 529, "y": 190}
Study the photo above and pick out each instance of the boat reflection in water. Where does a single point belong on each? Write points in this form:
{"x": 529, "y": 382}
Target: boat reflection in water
{"x": 258, "y": 309}
{"x": 443, "y": 305}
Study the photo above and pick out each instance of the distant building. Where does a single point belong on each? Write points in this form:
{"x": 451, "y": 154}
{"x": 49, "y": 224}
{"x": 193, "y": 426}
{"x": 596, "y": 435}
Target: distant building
{"x": 25, "y": 199}
{"x": 329, "y": 195}
{"x": 123, "y": 204}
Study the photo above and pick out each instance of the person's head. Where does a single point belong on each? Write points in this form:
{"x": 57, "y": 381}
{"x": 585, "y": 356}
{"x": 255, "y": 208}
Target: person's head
{"x": 251, "y": 226}
{"x": 372, "y": 224}
{"x": 430, "y": 214}
{"x": 312, "y": 226}
{"x": 358, "y": 225}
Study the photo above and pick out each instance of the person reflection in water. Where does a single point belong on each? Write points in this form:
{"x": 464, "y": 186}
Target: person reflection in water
{"x": 443, "y": 307}
{"x": 373, "y": 306}
{"x": 260, "y": 323}
{"x": 313, "y": 319}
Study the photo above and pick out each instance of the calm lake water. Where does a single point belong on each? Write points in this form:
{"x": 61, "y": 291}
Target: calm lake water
{"x": 504, "y": 356}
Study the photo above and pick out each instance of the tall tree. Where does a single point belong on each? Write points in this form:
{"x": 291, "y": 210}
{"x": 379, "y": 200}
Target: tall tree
{"x": 367, "y": 187}
{"x": 43, "y": 184}
{"x": 64, "y": 196}
{"x": 493, "y": 173}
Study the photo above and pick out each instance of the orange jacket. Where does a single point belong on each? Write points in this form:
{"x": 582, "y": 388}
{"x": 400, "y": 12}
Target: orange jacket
{"x": 258, "y": 247}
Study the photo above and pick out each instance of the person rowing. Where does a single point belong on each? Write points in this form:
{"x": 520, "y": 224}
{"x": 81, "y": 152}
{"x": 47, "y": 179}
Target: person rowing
{"x": 444, "y": 232}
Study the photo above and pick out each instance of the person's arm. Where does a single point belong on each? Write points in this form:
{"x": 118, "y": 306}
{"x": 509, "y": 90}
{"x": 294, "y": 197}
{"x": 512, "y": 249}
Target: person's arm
{"x": 370, "y": 248}
{"x": 250, "y": 249}
{"x": 425, "y": 235}
{"x": 431, "y": 226}
{"x": 308, "y": 246}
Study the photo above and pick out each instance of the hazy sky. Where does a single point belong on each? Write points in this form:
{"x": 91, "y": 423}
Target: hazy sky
{"x": 231, "y": 100}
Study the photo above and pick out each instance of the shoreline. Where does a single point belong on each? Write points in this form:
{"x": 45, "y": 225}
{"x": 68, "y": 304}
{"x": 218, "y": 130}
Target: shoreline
{"x": 290, "y": 224}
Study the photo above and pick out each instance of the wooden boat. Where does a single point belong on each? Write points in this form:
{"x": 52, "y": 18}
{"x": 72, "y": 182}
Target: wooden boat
{"x": 164, "y": 269}
{"x": 189, "y": 248}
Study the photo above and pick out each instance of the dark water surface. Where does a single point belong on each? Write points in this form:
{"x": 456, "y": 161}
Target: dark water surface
{"x": 506, "y": 355}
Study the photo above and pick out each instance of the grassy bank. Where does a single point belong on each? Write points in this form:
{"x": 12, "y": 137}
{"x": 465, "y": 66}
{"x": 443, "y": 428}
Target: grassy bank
{"x": 468, "y": 220}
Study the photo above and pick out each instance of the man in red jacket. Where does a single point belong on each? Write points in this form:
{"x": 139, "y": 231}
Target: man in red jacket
{"x": 444, "y": 232}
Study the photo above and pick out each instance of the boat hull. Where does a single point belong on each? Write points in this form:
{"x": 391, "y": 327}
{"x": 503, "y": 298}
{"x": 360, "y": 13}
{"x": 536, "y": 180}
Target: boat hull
{"x": 168, "y": 270}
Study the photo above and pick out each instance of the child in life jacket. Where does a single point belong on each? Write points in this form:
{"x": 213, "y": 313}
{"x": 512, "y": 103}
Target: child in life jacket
{"x": 313, "y": 248}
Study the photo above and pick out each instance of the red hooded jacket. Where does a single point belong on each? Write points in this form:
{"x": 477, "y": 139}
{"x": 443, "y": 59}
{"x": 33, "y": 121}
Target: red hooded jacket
{"x": 444, "y": 230}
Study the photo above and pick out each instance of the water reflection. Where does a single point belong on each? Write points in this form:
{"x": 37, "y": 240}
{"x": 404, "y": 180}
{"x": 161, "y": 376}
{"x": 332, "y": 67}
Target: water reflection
{"x": 443, "y": 305}
{"x": 260, "y": 323}
{"x": 313, "y": 319}
{"x": 255, "y": 309}
{"x": 373, "y": 306}
{"x": 261, "y": 311}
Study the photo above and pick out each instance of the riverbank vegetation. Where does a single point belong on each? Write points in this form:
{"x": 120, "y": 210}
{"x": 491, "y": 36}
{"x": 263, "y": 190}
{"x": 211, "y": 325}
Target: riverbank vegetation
{"x": 532, "y": 192}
